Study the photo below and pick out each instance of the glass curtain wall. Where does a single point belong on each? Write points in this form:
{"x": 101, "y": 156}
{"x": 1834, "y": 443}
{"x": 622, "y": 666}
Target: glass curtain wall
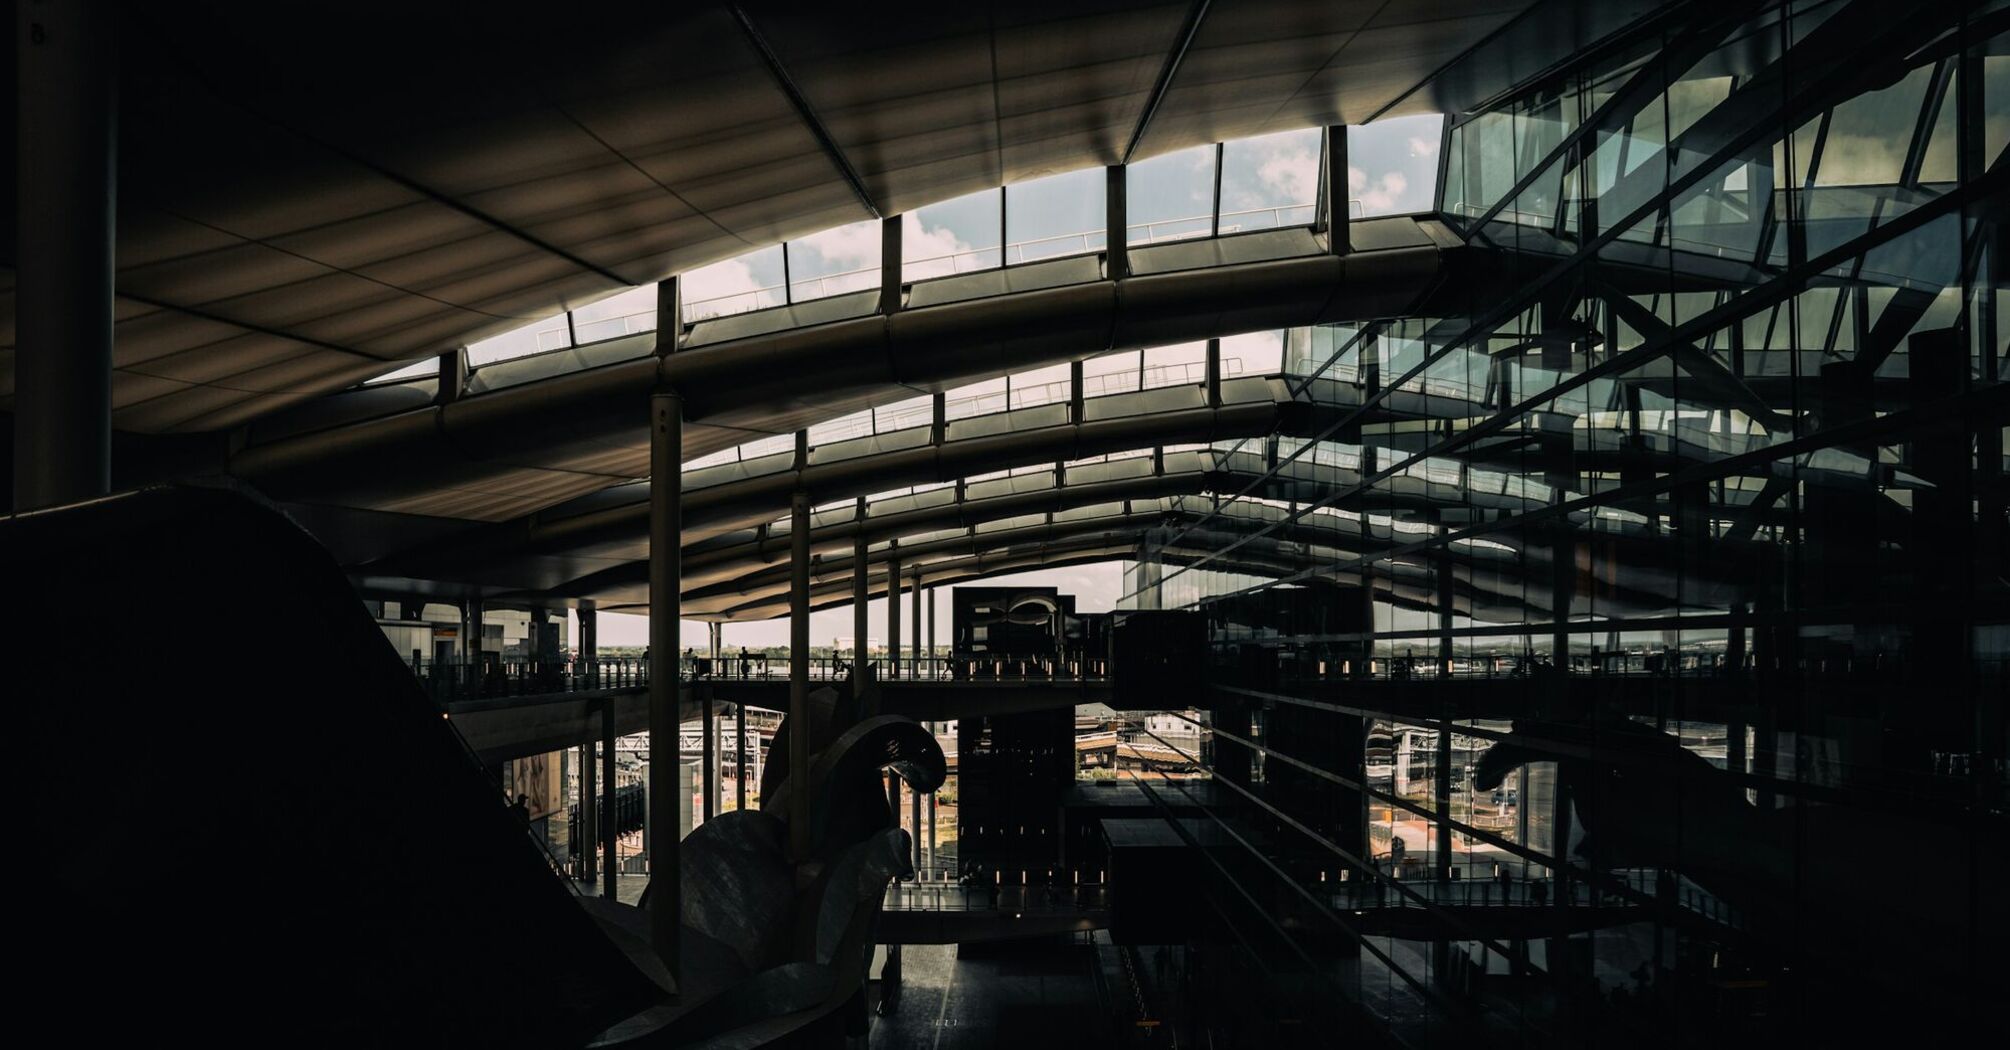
{"x": 1638, "y": 620}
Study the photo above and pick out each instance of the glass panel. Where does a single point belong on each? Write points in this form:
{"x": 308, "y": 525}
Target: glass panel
{"x": 1042, "y": 386}
{"x": 1252, "y": 354}
{"x": 428, "y": 367}
{"x": 751, "y": 282}
{"x": 1177, "y": 365}
{"x": 534, "y": 338}
{"x": 632, "y": 311}
{"x": 836, "y": 261}
{"x": 1396, "y": 161}
{"x": 1170, "y": 197}
{"x": 976, "y": 399}
{"x": 1110, "y": 374}
{"x": 1270, "y": 181}
{"x": 1055, "y": 216}
{"x": 953, "y": 237}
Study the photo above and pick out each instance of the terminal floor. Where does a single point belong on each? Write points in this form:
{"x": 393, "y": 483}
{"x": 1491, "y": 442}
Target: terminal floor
{"x": 1014, "y": 995}
{"x": 627, "y": 888}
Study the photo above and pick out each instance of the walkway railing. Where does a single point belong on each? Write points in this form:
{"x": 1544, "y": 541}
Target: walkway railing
{"x": 455, "y": 681}
{"x": 458, "y": 680}
{"x": 1012, "y": 253}
{"x": 936, "y": 896}
{"x": 1667, "y": 663}
{"x": 1524, "y": 893}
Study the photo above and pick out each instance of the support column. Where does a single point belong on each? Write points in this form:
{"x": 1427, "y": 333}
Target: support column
{"x": 68, "y": 200}
{"x": 610, "y": 791}
{"x": 914, "y": 821}
{"x": 540, "y": 618}
{"x": 453, "y": 380}
{"x": 666, "y": 458}
{"x": 1338, "y": 212}
{"x": 709, "y": 751}
{"x": 589, "y": 643}
{"x": 1214, "y": 373}
{"x": 889, "y": 265}
{"x": 931, "y": 621}
{"x": 861, "y": 594}
{"x": 740, "y": 756}
{"x": 587, "y": 833}
{"x": 471, "y": 650}
{"x": 893, "y": 613}
{"x": 1117, "y": 222}
{"x": 914, "y": 632}
{"x": 893, "y": 795}
{"x": 1443, "y": 672}
{"x": 799, "y": 674}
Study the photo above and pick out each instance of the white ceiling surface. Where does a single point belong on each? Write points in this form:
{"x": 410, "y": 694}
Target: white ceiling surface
{"x": 301, "y": 210}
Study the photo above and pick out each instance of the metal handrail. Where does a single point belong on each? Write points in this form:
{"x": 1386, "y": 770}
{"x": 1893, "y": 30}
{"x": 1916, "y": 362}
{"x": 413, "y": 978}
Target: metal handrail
{"x": 1012, "y": 253}
{"x": 551, "y": 859}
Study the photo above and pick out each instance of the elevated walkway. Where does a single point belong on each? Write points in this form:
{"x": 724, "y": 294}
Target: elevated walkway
{"x": 523, "y": 712}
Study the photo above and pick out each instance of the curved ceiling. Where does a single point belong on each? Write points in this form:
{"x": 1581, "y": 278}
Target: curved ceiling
{"x": 302, "y": 205}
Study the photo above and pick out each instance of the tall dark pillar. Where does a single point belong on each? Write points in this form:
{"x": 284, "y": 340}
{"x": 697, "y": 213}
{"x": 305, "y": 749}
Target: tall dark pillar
{"x": 666, "y": 793}
{"x": 889, "y": 265}
{"x": 914, "y": 820}
{"x": 799, "y": 674}
{"x": 472, "y": 612}
{"x": 709, "y": 749}
{"x": 861, "y": 594}
{"x": 739, "y": 756}
{"x": 589, "y": 642}
{"x": 585, "y": 832}
{"x": 914, "y": 632}
{"x": 1116, "y": 221}
{"x": 893, "y": 613}
{"x": 1444, "y": 672}
{"x": 453, "y": 380}
{"x": 68, "y": 198}
{"x": 610, "y": 792}
{"x": 534, "y": 647}
{"x": 1338, "y": 212}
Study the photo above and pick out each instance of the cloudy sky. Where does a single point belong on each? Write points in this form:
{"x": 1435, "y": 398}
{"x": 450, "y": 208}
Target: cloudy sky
{"x": 1266, "y": 182}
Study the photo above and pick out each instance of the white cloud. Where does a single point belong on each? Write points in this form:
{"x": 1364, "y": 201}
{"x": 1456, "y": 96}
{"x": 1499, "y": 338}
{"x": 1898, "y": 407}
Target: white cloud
{"x": 1379, "y": 195}
{"x": 1291, "y": 174}
{"x": 1423, "y": 147}
{"x": 929, "y": 251}
{"x": 849, "y": 247}
{"x": 723, "y": 287}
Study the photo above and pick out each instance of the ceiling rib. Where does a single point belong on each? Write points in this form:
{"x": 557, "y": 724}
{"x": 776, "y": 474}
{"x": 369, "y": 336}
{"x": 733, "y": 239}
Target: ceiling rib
{"x": 809, "y": 116}
{"x": 1166, "y": 73}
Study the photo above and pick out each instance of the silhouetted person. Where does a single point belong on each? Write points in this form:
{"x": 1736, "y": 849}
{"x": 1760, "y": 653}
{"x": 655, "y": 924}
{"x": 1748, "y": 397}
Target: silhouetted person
{"x": 1539, "y": 892}
{"x": 746, "y": 663}
{"x": 521, "y": 808}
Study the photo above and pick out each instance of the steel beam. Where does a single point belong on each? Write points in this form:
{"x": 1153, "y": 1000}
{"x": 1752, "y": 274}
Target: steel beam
{"x": 67, "y": 206}
{"x": 861, "y": 593}
{"x": 666, "y": 447}
{"x": 799, "y": 675}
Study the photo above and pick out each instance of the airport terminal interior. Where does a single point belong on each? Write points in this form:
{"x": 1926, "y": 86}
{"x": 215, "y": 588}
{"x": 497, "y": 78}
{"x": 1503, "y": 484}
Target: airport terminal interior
{"x": 1119, "y": 523}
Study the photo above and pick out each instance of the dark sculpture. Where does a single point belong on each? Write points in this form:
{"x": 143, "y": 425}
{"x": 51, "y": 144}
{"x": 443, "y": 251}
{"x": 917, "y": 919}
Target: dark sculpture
{"x": 1826, "y": 888}
{"x": 775, "y": 948}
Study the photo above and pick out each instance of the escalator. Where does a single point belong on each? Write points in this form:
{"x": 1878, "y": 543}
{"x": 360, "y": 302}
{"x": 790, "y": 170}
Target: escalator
{"x": 245, "y": 819}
